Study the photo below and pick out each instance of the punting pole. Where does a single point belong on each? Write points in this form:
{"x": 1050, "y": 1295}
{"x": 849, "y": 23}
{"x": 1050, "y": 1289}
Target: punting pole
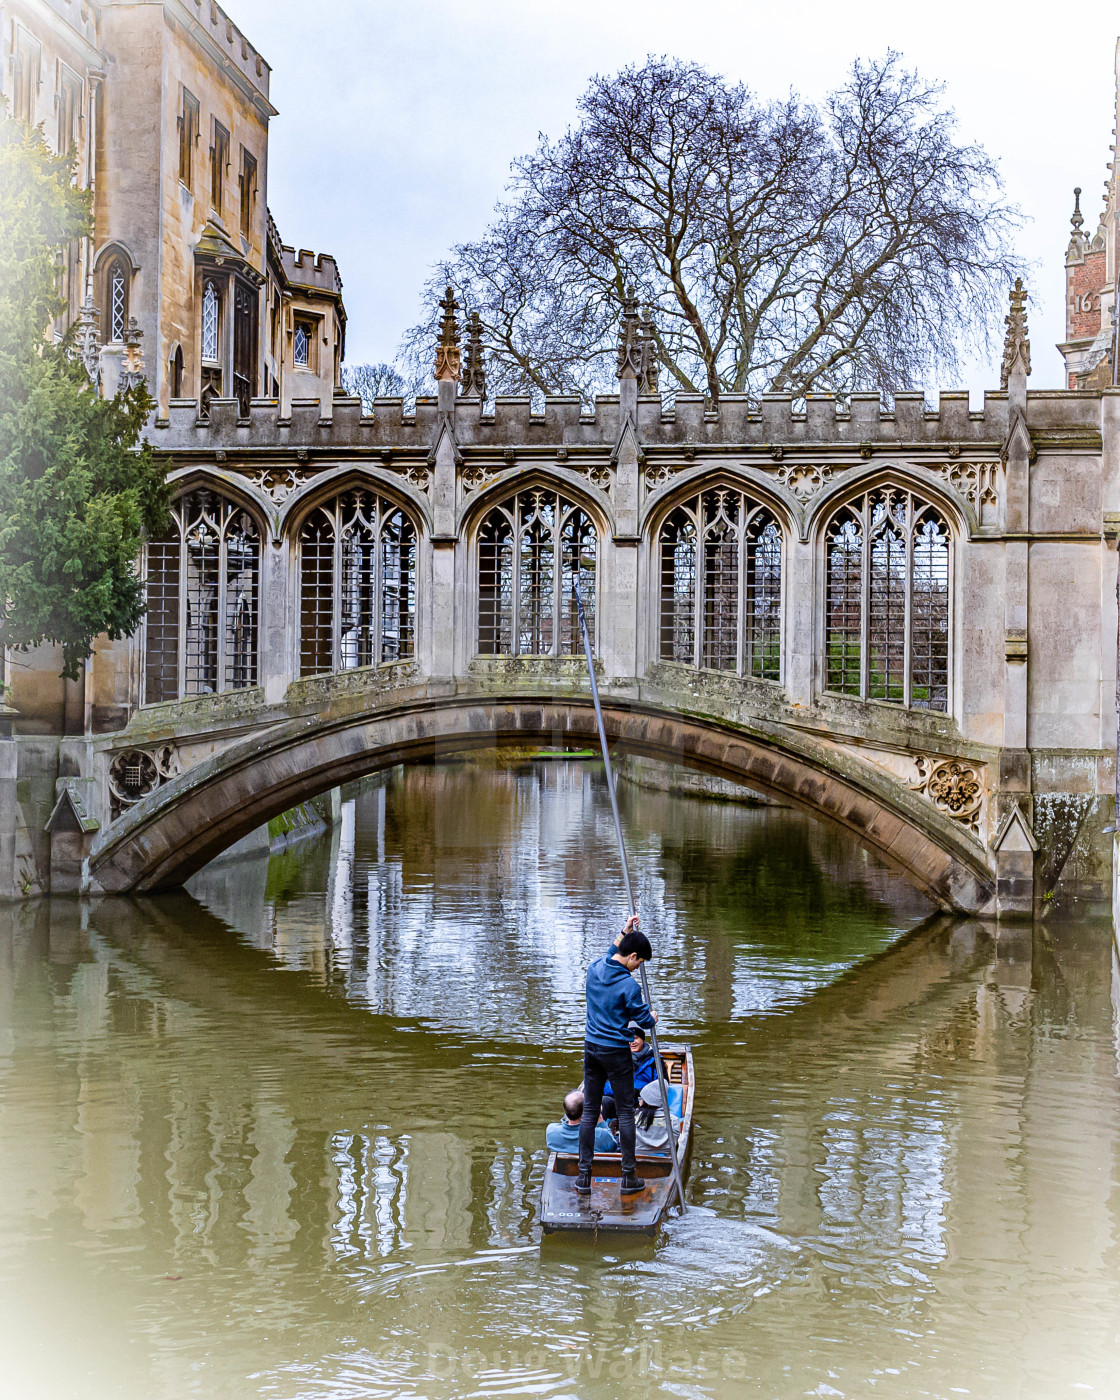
{"x": 629, "y": 893}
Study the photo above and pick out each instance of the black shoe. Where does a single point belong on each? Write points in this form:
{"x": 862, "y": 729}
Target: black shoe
{"x": 631, "y": 1185}
{"x": 583, "y": 1184}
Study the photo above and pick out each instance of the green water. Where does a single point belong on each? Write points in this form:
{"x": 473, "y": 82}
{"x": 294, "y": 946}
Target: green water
{"x": 282, "y": 1135}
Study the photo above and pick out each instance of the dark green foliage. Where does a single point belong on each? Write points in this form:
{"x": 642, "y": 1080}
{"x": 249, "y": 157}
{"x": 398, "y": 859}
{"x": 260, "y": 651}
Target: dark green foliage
{"x": 77, "y": 489}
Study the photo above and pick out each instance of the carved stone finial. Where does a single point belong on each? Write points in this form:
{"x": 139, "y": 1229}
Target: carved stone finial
{"x": 132, "y": 365}
{"x": 1076, "y": 220}
{"x": 447, "y": 349}
{"x": 474, "y": 361}
{"x": 1016, "y": 344}
{"x": 629, "y": 339}
{"x": 651, "y": 367}
{"x": 87, "y": 347}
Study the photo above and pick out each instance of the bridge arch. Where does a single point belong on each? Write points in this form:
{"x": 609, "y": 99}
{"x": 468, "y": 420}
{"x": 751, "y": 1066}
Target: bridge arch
{"x": 179, "y": 827}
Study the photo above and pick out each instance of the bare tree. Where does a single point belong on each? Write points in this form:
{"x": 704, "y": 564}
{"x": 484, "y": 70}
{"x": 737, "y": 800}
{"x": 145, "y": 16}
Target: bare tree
{"x": 371, "y": 382}
{"x": 777, "y": 246}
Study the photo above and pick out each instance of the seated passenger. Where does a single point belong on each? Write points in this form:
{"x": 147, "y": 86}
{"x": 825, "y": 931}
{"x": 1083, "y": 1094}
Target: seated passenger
{"x": 650, "y": 1135}
{"x": 645, "y": 1066}
{"x": 564, "y": 1136}
{"x": 609, "y": 1114}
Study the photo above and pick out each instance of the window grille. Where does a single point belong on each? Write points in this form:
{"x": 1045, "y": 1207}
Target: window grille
{"x": 203, "y": 595}
{"x": 357, "y": 584}
{"x": 887, "y": 600}
{"x": 728, "y": 619}
{"x": 211, "y": 313}
{"x": 532, "y": 549}
{"x": 117, "y": 288}
{"x": 300, "y": 345}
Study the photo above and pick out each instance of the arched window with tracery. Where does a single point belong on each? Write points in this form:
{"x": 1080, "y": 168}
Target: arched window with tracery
{"x": 887, "y": 600}
{"x": 357, "y": 584}
{"x": 203, "y": 595}
{"x": 116, "y": 300}
{"x": 721, "y": 585}
{"x": 532, "y": 550}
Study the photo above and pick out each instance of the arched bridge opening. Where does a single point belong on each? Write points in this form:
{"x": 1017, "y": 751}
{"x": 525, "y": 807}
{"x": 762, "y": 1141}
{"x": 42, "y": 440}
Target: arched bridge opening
{"x": 185, "y": 823}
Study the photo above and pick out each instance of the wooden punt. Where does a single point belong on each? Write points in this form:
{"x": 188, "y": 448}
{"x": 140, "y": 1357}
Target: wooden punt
{"x": 606, "y": 1210}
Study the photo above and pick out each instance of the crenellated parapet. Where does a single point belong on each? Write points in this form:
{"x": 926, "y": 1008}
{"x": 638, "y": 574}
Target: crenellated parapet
{"x": 690, "y": 422}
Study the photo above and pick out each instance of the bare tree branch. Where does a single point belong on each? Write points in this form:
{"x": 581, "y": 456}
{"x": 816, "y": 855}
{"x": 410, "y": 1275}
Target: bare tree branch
{"x": 778, "y": 246}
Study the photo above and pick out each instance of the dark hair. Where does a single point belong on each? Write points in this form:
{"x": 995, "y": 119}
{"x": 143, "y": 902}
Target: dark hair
{"x": 573, "y": 1104}
{"x": 609, "y": 1109}
{"x": 635, "y": 942}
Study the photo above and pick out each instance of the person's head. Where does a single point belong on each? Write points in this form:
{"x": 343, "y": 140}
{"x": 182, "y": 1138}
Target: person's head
{"x": 651, "y": 1094}
{"x": 649, "y": 1104}
{"x": 609, "y": 1109}
{"x": 637, "y": 1038}
{"x": 634, "y": 949}
{"x": 573, "y": 1106}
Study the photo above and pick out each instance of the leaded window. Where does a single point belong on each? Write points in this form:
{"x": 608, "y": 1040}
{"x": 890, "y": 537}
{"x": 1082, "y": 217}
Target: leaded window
{"x": 721, "y": 585}
{"x": 533, "y": 549}
{"x": 300, "y": 344}
{"x": 203, "y": 596}
{"x": 887, "y": 600}
{"x": 211, "y": 314}
{"x": 357, "y": 584}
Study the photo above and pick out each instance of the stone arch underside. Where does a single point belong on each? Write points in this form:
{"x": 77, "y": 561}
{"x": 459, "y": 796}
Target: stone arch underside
{"x": 181, "y": 826}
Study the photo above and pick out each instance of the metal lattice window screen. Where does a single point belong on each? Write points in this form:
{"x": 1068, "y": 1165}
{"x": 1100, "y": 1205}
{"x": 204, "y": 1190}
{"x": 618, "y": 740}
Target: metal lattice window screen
{"x": 203, "y": 593}
{"x": 887, "y": 603}
{"x": 729, "y": 619}
{"x": 532, "y": 550}
{"x": 118, "y": 302}
{"x": 357, "y": 584}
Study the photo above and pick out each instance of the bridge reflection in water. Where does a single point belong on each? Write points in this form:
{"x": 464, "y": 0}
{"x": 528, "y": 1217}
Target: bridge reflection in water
{"x": 282, "y": 1136}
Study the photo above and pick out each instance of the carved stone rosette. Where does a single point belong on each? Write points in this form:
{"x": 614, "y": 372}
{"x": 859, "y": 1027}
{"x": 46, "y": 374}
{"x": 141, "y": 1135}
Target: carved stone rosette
{"x": 134, "y": 773}
{"x": 954, "y": 786}
{"x": 278, "y": 483}
{"x": 804, "y": 479}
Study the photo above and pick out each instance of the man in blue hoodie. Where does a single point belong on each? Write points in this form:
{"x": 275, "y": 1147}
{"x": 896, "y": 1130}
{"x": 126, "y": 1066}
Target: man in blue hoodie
{"x": 614, "y": 999}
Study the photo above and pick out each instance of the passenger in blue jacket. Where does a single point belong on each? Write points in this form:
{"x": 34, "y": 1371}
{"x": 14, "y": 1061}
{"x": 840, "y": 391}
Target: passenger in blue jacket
{"x": 614, "y": 1000}
{"x": 564, "y": 1136}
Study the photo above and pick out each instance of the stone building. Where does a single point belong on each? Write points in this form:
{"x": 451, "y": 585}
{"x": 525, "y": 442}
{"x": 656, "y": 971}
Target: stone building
{"x": 167, "y": 107}
{"x": 166, "y": 103}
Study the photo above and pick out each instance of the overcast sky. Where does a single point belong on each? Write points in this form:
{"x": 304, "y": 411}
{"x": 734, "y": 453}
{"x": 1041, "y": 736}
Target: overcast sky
{"x": 398, "y": 121}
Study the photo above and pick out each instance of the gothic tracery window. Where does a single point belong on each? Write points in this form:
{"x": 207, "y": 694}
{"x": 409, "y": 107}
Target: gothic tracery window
{"x": 203, "y": 595}
{"x": 357, "y": 584}
{"x": 887, "y": 600}
{"x": 532, "y": 550}
{"x": 721, "y": 585}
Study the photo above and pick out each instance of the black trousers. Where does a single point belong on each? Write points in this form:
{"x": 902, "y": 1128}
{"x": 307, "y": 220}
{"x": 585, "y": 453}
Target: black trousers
{"x": 601, "y": 1063}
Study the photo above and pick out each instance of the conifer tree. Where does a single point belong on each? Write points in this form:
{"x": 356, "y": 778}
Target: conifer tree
{"x": 78, "y": 489}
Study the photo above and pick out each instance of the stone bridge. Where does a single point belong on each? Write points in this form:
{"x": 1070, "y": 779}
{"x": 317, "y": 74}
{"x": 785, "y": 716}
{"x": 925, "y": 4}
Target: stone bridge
{"x": 902, "y": 621}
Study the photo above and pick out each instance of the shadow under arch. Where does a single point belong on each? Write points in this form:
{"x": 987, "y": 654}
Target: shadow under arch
{"x": 181, "y": 826}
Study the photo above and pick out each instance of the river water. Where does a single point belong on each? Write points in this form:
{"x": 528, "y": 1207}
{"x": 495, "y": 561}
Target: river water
{"x": 282, "y": 1135}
